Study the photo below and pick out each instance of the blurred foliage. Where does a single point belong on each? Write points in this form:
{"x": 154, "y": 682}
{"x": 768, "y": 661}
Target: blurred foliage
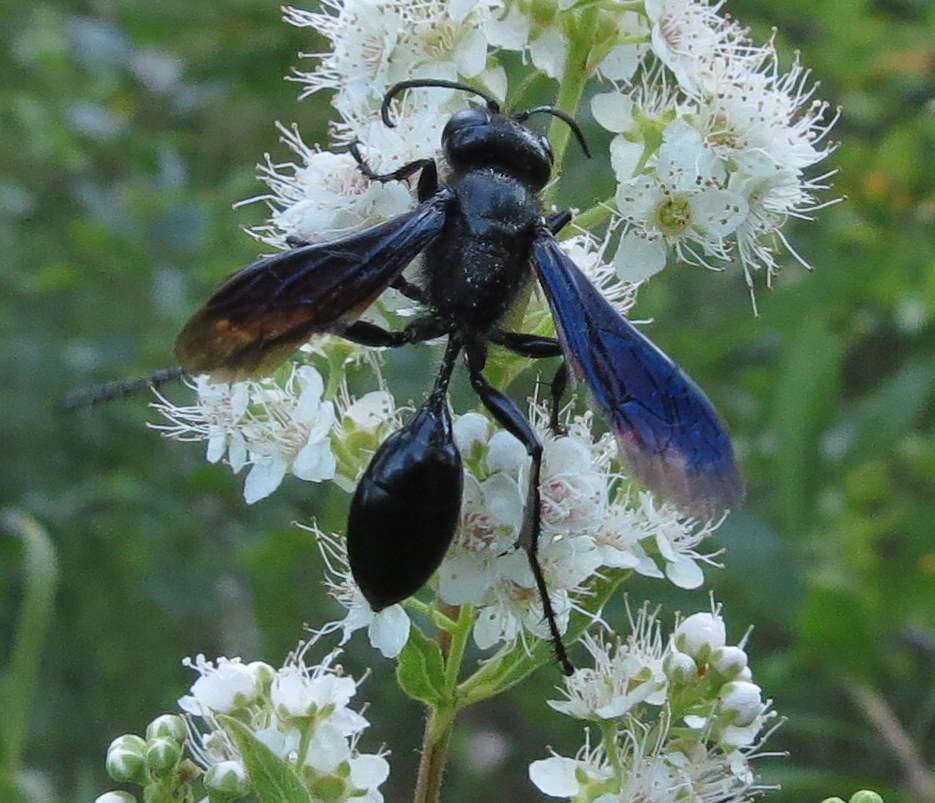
{"x": 128, "y": 129}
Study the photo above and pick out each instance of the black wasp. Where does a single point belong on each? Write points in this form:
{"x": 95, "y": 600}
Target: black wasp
{"x": 483, "y": 236}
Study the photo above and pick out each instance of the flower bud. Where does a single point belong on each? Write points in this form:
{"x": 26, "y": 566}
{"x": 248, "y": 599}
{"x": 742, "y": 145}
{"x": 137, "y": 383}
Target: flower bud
{"x": 227, "y": 778}
{"x": 169, "y": 726}
{"x": 865, "y": 796}
{"x": 263, "y": 673}
{"x": 129, "y": 742}
{"x": 115, "y": 797}
{"x": 125, "y": 758}
{"x": 700, "y": 634}
{"x": 469, "y": 429}
{"x": 743, "y": 700}
{"x": 679, "y": 667}
{"x": 729, "y": 662}
{"x": 162, "y": 754}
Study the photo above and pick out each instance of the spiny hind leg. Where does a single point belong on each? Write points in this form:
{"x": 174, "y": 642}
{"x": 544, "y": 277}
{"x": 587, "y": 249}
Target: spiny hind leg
{"x": 511, "y": 418}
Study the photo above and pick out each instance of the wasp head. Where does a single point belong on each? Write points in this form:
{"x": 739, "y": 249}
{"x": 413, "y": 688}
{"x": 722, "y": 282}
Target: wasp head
{"x": 485, "y": 137}
{"x": 479, "y": 137}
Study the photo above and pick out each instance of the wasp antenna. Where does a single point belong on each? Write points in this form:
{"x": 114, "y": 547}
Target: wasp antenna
{"x": 523, "y": 116}
{"x": 88, "y": 397}
{"x": 492, "y": 104}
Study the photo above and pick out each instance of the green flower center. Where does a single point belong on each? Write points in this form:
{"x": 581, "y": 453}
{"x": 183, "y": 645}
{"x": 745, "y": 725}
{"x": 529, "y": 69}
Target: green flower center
{"x": 674, "y": 215}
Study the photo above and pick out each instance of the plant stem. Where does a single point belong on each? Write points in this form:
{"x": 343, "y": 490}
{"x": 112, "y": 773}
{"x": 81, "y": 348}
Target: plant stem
{"x": 441, "y": 717}
{"x": 570, "y": 89}
{"x": 590, "y": 218}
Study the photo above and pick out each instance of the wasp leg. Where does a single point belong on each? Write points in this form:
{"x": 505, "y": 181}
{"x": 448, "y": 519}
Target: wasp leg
{"x": 556, "y": 222}
{"x": 559, "y": 383}
{"x": 411, "y": 291}
{"x": 540, "y": 347}
{"x": 396, "y": 175}
{"x": 369, "y": 334}
{"x": 512, "y": 419}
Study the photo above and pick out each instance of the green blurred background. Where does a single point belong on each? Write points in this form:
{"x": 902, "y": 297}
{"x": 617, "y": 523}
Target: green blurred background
{"x": 127, "y": 130}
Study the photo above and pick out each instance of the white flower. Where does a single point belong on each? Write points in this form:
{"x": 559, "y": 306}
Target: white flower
{"x": 512, "y": 606}
{"x": 376, "y": 43}
{"x": 676, "y": 537}
{"x": 368, "y": 772}
{"x": 629, "y": 675}
{"x": 324, "y": 195}
{"x": 570, "y": 777}
{"x": 291, "y": 434}
{"x": 215, "y": 418}
{"x": 491, "y": 512}
{"x": 686, "y": 34}
{"x": 624, "y": 58}
{"x": 549, "y": 50}
{"x": 682, "y": 204}
{"x": 371, "y": 411}
{"x": 222, "y": 687}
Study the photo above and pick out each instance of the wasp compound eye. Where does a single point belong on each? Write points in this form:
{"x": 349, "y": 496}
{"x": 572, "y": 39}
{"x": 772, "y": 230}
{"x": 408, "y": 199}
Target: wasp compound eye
{"x": 405, "y": 510}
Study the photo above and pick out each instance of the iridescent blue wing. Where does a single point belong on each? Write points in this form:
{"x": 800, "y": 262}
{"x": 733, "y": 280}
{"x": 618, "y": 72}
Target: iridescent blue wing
{"x": 265, "y": 311}
{"x": 669, "y": 434}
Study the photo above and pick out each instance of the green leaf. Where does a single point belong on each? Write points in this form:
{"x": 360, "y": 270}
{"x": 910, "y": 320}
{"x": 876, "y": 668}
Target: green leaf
{"x": 512, "y": 664}
{"x": 420, "y": 670}
{"x": 274, "y": 780}
{"x": 836, "y": 629}
{"x": 809, "y": 384}
{"x": 40, "y": 578}
{"x": 892, "y": 408}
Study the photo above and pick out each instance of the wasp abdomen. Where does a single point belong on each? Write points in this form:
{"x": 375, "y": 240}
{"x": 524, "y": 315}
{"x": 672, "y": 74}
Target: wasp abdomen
{"x": 405, "y": 509}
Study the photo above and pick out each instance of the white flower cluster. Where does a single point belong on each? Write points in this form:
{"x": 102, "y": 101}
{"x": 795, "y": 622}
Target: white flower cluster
{"x": 589, "y": 521}
{"x": 712, "y": 148}
{"x": 299, "y": 713}
{"x": 680, "y": 721}
{"x": 274, "y": 428}
{"x": 278, "y": 426}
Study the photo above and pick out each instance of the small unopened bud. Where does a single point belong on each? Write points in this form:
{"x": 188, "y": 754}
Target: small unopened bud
{"x": 129, "y": 742}
{"x": 679, "y": 667}
{"x": 125, "y": 758}
{"x": 469, "y": 429}
{"x": 117, "y": 797}
{"x": 729, "y": 662}
{"x": 743, "y": 700}
{"x": 227, "y": 778}
{"x": 866, "y": 796}
{"x": 700, "y": 634}
{"x": 168, "y": 725}
{"x": 163, "y": 754}
{"x": 263, "y": 673}
{"x": 832, "y": 800}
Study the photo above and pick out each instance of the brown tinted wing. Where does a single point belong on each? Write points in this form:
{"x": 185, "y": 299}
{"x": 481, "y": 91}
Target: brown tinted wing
{"x": 267, "y": 310}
